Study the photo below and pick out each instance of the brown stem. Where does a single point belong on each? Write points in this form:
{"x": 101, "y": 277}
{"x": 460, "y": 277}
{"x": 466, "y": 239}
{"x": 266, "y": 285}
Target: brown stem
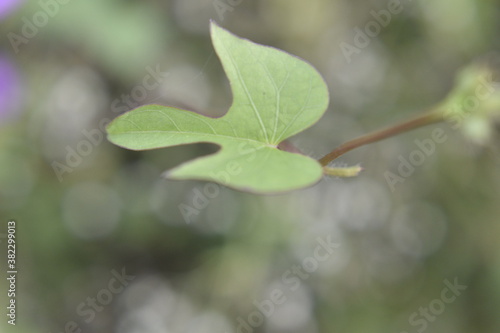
{"x": 425, "y": 119}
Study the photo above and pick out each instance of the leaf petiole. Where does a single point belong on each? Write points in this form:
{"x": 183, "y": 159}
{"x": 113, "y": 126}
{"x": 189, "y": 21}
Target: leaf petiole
{"x": 427, "y": 118}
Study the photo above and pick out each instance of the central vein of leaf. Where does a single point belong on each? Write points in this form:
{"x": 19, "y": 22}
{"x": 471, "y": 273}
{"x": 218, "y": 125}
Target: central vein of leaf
{"x": 249, "y": 96}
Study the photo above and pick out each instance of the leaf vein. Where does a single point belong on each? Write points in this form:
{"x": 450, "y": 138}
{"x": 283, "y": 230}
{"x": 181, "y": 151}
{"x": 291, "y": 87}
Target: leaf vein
{"x": 249, "y": 96}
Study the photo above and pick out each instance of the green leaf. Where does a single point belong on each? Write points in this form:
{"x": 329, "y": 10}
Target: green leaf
{"x": 275, "y": 96}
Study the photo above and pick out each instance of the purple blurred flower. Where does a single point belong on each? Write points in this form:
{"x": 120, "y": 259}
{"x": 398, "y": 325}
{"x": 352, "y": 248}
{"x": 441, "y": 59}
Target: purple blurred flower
{"x": 7, "y": 6}
{"x": 10, "y": 89}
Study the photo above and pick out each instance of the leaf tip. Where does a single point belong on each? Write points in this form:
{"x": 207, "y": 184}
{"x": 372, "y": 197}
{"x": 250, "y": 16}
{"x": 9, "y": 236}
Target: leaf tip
{"x": 214, "y": 26}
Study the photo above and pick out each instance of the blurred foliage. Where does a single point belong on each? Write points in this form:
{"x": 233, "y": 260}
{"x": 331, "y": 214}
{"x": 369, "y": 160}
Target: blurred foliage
{"x": 111, "y": 210}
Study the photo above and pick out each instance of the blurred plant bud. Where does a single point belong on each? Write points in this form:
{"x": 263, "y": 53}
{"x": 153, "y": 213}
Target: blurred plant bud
{"x": 474, "y": 103}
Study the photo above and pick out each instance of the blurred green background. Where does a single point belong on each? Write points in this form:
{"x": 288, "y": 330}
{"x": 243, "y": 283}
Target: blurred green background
{"x": 87, "y": 211}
